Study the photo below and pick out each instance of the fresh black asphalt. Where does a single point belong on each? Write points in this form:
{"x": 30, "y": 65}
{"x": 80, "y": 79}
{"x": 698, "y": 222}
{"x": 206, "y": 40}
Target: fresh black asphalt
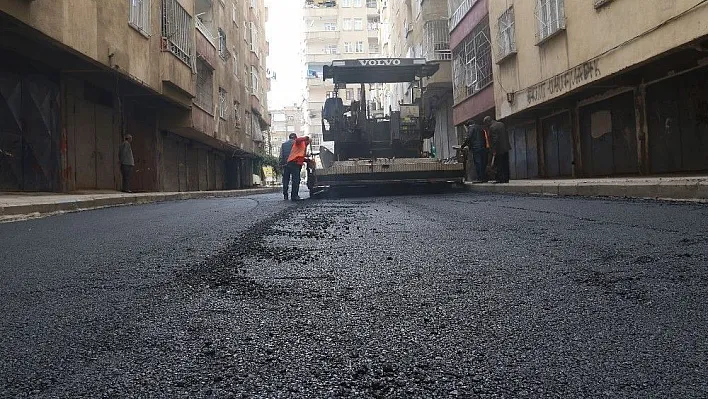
{"x": 421, "y": 295}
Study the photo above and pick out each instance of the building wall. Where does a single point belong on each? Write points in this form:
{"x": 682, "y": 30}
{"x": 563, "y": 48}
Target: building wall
{"x": 316, "y": 54}
{"x": 285, "y": 121}
{"x": 596, "y": 43}
{"x": 113, "y": 78}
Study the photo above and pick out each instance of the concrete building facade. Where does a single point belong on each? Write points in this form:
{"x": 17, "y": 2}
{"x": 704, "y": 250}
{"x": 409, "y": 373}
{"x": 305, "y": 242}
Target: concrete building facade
{"x": 186, "y": 78}
{"x": 335, "y": 29}
{"x": 419, "y": 29}
{"x": 285, "y": 121}
{"x": 602, "y": 87}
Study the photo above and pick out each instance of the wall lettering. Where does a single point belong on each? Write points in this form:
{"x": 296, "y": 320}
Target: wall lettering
{"x": 564, "y": 82}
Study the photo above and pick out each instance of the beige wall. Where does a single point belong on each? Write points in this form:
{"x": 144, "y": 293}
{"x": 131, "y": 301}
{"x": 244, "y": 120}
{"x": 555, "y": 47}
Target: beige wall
{"x": 316, "y": 41}
{"x": 597, "y": 43}
{"x": 97, "y": 28}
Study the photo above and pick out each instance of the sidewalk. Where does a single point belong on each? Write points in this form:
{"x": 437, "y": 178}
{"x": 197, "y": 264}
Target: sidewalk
{"x": 14, "y": 206}
{"x": 688, "y": 188}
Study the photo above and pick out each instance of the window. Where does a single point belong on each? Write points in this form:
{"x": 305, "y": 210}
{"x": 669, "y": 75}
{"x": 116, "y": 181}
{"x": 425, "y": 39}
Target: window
{"x": 205, "y": 86}
{"x": 346, "y": 3}
{"x": 371, "y": 3}
{"x": 255, "y": 88}
{"x": 222, "y": 103}
{"x": 357, "y": 3}
{"x": 330, "y": 26}
{"x": 347, "y": 24}
{"x": 358, "y": 24}
{"x": 235, "y": 63}
{"x": 359, "y": 47}
{"x": 254, "y": 37}
{"x": 349, "y": 95}
{"x": 507, "y": 39}
{"x": 290, "y": 129}
{"x": 177, "y": 31}
{"x": 472, "y": 63}
{"x": 223, "y": 52}
{"x": 140, "y": 15}
{"x": 348, "y": 48}
{"x": 237, "y": 116}
{"x": 332, "y": 49}
{"x": 551, "y": 17}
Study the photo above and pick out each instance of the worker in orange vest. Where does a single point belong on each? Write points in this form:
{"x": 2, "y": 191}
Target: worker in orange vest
{"x": 294, "y": 166}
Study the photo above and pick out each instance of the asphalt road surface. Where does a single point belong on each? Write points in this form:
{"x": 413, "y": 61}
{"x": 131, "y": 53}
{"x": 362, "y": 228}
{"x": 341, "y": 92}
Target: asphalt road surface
{"x": 435, "y": 295}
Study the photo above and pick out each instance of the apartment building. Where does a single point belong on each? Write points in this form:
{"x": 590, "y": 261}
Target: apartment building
{"x": 286, "y": 121}
{"x": 336, "y": 29}
{"x": 186, "y": 78}
{"x": 602, "y": 87}
{"x": 419, "y": 29}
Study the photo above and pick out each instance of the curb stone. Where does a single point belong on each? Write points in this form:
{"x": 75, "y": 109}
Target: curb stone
{"x": 695, "y": 191}
{"x": 25, "y": 211}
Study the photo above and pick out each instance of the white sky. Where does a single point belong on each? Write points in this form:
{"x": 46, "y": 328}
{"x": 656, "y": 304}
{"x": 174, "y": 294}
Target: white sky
{"x": 284, "y": 32}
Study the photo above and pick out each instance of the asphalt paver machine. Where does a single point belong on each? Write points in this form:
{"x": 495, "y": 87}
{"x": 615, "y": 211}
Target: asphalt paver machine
{"x": 374, "y": 148}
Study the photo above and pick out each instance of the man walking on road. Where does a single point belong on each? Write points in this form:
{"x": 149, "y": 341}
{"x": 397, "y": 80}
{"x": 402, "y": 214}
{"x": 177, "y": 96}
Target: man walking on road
{"x": 295, "y": 161}
{"x": 127, "y": 163}
{"x": 284, "y": 155}
{"x": 500, "y": 148}
{"x": 477, "y": 142}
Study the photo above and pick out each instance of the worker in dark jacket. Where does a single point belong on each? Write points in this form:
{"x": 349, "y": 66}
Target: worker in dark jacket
{"x": 287, "y": 175}
{"x": 499, "y": 139}
{"x": 477, "y": 143}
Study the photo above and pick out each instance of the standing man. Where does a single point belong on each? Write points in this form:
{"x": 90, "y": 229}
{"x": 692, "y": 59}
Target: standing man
{"x": 477, "y": 142}
{"x": 500, "y": 148}
{"x": 284, "y": 155}
{"x": 295, "y": 161}
{"x": 127, "y": 163}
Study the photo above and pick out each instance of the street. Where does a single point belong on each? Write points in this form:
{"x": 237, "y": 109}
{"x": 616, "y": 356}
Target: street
{"x": 424, "y": 295}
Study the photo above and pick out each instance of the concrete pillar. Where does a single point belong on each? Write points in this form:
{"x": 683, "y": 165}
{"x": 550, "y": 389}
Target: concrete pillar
{"x": 577, "y": 149}
{"x": 640, "y": 112}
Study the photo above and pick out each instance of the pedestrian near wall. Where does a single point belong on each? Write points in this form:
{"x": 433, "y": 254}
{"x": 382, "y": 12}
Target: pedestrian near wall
{"x": 477, "y": 143}
{"x": 295, "y": 161}
{"x": 500, "y": 148}
{"x": 127, "y": 163}
{"x": 285, "y": 149}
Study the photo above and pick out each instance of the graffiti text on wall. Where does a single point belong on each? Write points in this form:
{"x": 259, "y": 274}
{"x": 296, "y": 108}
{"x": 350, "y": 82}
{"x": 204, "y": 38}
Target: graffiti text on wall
{"x": 564, "y": 82}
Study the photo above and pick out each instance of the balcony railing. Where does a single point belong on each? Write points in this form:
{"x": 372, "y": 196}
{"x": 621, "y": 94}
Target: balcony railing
{"x": 177, "y": 31}
{"x": 459, "y": 13}
{"x": 321, "y": 35}
{"x": 206, "y": 31}
{"x": 436, "y": 42}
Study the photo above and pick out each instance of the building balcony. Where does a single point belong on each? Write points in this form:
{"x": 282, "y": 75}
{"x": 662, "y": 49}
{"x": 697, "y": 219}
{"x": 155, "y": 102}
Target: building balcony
{"x": 460, "y": 12}
{"x": 203, "y": 122}
{"x": 178, "y": 83}
{"x": 206, "y": 50}
{"x": 322, "y": 58}
{"x": 256, "y": 104}
{"x": 316, "y": 82}
{"x": 321, "y": 10}
{"x": 442, "y": 78}
{"x": 436, "y": 41}
{"x": 321, "y": 35}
